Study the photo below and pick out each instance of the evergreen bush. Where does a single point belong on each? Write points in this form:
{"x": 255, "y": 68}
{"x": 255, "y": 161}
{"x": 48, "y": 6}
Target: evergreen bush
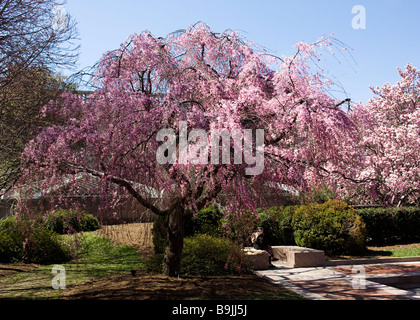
{"x": 391, "y": 225}
{"x": 333, "y": 227}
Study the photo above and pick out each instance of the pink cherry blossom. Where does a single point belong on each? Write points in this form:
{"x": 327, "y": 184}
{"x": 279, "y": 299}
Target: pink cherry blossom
{"x": 213, "y": 81}
{"x": 381, "y": 162}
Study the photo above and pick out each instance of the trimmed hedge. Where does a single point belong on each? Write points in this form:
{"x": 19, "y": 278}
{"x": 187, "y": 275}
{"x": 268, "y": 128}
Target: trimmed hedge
{"x": 391, "y": 225}
{"x": 333, "y": 227}
{"x": 382, "y": 226}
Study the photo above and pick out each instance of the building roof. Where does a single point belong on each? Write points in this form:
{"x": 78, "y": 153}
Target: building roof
{"x": 82, "y": 185}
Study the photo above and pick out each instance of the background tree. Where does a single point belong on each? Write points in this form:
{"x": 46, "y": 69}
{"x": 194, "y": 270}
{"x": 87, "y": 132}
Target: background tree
{"x": 213, "y": 81}
{"x": 381, "y": 164}
{"x": 21, "y": 101}
{"x": 36, "y": 38}
{"x": 35, "y": 33}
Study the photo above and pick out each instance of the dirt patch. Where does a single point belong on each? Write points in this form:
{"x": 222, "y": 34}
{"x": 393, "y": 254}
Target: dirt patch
{"x": 7, "y": 270}
{"x": 158, "y": 287}
{"x": 136, "y": 235}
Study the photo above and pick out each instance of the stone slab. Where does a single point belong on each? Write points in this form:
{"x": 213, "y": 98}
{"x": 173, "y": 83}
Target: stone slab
{"x": 257, "y": 258}
{"x": 299, "y": 257}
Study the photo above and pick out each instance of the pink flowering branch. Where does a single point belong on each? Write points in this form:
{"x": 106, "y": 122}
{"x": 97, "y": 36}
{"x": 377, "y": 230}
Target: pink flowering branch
{"x": 212, "y": 82}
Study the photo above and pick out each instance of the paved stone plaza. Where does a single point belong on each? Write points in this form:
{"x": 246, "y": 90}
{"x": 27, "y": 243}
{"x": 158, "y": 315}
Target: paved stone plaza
{"x": 350, "y": 282}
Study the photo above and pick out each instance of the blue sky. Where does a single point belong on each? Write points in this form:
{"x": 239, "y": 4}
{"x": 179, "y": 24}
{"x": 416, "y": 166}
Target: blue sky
{"x": 391, "y": 38}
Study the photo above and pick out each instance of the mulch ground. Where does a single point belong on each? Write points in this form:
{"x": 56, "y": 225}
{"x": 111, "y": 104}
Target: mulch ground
{"x": 158, "y": 287}
{"x": 7, "y": 270}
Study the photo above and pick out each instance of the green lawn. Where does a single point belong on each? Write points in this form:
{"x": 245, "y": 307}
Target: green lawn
{"x": 97, "y": 257}
{"x": 405, "y": 252}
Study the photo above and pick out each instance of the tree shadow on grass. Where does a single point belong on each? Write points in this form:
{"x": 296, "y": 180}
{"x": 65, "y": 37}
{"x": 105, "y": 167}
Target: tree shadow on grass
{"x": 378, "y": 253}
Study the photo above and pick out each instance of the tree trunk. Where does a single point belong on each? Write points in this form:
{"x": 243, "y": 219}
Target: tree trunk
{"x": 175, "y": 236}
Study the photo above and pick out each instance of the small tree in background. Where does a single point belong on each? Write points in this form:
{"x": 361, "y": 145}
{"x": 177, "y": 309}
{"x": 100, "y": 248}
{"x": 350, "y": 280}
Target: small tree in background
{"x": 381, "y": 164}
{"x": 36, "y": 38}
{"x": 35, "y": 33}
{"x": 20, "y": 104}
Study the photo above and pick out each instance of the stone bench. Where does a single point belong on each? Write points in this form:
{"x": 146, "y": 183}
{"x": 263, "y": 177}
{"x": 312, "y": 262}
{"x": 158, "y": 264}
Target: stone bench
{"x": 299, "y": 257}
{"x": 294, "y": 256}
{"x": 257, "y": 258}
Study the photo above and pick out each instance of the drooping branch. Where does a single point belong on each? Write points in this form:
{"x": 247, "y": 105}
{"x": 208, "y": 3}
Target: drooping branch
{"x": 74, "y": 169}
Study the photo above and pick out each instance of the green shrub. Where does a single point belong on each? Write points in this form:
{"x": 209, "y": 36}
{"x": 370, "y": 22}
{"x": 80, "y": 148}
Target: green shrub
{"x": 277, "y": 224}
{"x": 206, "y": 221}
{"x": 11, "y": 249}
{"x": 207, "y": 255}
{"x": 159, "y": 234}
{"x": 320, "y": 194}
{"x": 45, "y": 247}
{"x": 240, "y": 229}
{"x": 11, "y": 241}
{"x": 7, "y": 223}
{"x": 155, "y": 263}
{"x": 333, "y": 227}
{"x": 391, "y": 225}
{"x": 23, "y": 241}
{"x": 65, "y": 221}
